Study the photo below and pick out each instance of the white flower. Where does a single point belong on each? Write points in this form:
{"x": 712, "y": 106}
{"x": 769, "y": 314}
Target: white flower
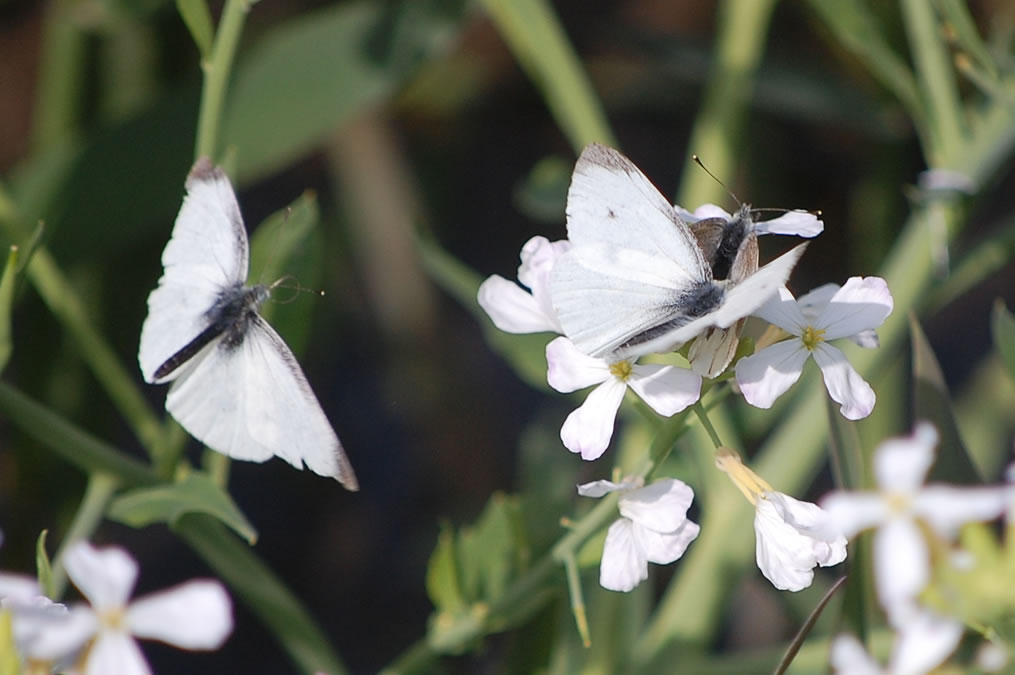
{"x": 193, "y": 615}
{"x": 653, "y": 527}
{"x": 854, "y": 310}
{"x": 923, "y": 641}
{"x": 799, "y": 223}
{"x": 588, "y": 429}
{"x": 514, "y": 310}
{"x": 901, "y": 559}
{"x": 792, "y": 537}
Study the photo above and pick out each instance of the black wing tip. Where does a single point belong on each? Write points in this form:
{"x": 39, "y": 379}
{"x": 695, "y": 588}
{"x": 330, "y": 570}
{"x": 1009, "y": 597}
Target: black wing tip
{"x": 204, "y": 171}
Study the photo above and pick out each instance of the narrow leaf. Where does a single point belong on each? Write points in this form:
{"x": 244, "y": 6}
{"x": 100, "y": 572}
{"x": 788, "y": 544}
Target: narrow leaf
{"x": 1002, "y": 324}
{"x": 961, "y": 23}
{"x": 196, "y": 16}
{"x": 6, "y": 306}
{"x": 196, "y": 493}
{"x": 43, "y": 569}
{"x": 931, "y": 402}
{"x": 805, "y": 630}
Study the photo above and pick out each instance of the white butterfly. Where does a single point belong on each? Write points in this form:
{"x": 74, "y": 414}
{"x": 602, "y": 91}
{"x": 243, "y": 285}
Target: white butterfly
{"x": 236, "y": 385}
{"x": 635, "y": 280}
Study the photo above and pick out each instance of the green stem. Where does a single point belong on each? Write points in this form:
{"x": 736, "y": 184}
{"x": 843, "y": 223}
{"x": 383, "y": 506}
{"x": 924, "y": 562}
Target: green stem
{"x": 719, "y": 124}
{"x": 71, "y": 443}
{"x": 706, "y": 423}
{"x": 58, "y": 96}
{"x": 101, "y": 487}
{"x": 539, "y": 43}
{"x": 937, "y": 81}
{"x": 66, "y": 306}
{"x": 216, "y": 76}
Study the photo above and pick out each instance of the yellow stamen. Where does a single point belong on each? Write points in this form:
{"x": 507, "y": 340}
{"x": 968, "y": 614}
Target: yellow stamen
{"x": 750, "y": 484}
{"x": 812, "y": 337}
{"x": 621, "y": 370}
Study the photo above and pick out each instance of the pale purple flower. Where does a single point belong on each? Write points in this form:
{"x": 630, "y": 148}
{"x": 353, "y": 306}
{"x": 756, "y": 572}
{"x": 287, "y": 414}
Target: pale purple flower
{"x": 792, "y": 537}
{"x": 902, "y": 502}
{"x": 195, "y": 615}
{"x": 588, "y": 429}
{"x": 653, "y": 527}
{"x": 853, "y": 311}
{"x": 515, "y": 310}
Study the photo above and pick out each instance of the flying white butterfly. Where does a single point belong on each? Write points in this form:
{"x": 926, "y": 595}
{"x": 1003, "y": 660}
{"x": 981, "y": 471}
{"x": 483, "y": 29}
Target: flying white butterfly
{"x": 635, "y": 280}
{"x": 236, "y": 385}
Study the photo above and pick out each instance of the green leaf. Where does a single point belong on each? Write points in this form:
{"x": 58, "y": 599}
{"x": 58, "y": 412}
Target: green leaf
{"x": 846, "y": 452}
{"x": 6, "y": 305}
{"x": 196, "y": 493}
{"x": 442, "y": 583}
{"x": 8, "y": 650}
{"x": 932, "y": 403}
{"x": 196, "y": 16}
{"x": 305, "y": 78}
{"x": 43, "y": 569}
{"x": 1002, "y": 324}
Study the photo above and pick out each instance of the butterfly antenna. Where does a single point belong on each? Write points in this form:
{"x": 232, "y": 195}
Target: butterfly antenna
{"x": 697, "y": 160}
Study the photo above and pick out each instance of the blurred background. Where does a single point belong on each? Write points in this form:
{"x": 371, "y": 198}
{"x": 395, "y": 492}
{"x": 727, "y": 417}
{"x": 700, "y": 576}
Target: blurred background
{"x": 407, "y": 120}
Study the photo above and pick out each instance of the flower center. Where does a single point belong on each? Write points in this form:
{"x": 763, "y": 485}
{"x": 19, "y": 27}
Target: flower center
{"x": 113, "y": 618}
{"x": 812, "y": 337}
{"x": 621, "y": 370}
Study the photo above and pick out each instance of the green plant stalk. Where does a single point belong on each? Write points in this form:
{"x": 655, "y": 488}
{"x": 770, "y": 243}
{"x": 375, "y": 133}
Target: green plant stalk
{"x": 539, "y": 43}
{"x": 795, "y": 449}
{"x": 71, "y": 443}
{"x": 58, "y": 97}
{"x": 719, "y": 124}
{"x": 66, "y": 306}
{"x": 216, "y": 77}
{"x": 99, "y": 491}
{"x": 936, "y": 79}
{"x": 266, "y": 595}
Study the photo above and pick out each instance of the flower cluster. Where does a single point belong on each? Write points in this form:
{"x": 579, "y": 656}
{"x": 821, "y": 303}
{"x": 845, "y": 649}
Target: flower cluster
{"x": 638, "y": 275}
{"x": 99, "y": 637}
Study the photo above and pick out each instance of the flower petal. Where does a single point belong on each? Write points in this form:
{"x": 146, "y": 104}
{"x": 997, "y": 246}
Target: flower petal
{"x": 193, "y": 615}
{"x": 52, "y": 635}
{"x": 947, "y": 508}
{"x": 567, "y": 369}
{"x": 538, "y": 256}
{"x": 623, "y": 565}
{"x": 666, "y": 389}
{"x": 663, "y": 548}
{"x": 901, "y": 563}
{"x": 861, "y": 303}
{"x": 600, "y": 488}
{"x": 589, "y": 428}
{"x": 813, "y": 302}
{"x": 782, "y": 310}
{"x": 845, "y": 386}
{"x": 901, "y": 464}
{"x": 848, "y": 657}
{"x": 799, "y": 223}
{"x": 106, "y": 578}
{"x": 786, "y": 550}
{"x": 809, "y": 519}
{"x": 924, "y": 641}
{"x": 116, "y": 653}
{"x": 661, "y": 506}
{"x": 702, "y": 212}
{"x": 852, "y": 512}
{"x": 18, "y": 586}
{"x": 512, "y": 309}
{"x": 767, "y": 375}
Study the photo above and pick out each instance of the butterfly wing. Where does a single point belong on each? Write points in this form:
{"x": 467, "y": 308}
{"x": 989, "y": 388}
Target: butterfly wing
{"x": 741, "y": 299}
{"x": 251, "y": 401}
{"x": 633, "y": 263}
{"x": 206, "y": 253}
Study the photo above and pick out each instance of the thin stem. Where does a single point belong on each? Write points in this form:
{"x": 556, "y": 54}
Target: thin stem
{"x": 216, "y": 76}
{"x": 706, "y": 423}
{"x": 99, "y": 491}
{"x": 574, "y": 587}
